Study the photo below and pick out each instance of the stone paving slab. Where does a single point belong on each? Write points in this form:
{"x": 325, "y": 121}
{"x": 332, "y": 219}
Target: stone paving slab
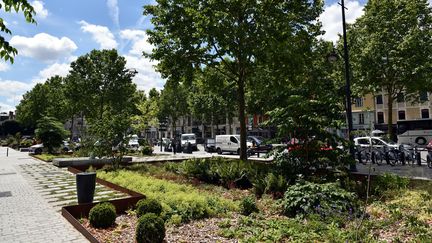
{"x": 24, "y": 215}
{"x": 60, "y": 190}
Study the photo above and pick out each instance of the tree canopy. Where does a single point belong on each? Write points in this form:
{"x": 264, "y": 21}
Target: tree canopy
{"x": 7, "y": 52}
{"x": 391, "y": 46}
{"x": 240, "y": 34}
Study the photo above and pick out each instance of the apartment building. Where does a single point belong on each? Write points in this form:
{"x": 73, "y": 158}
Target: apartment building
{"x": 403, "y": 109}
{"x": 363, "y": 112}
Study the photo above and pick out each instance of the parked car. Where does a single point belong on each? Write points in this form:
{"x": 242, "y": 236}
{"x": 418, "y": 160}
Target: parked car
{"x": 377, "y": 142}
{"x": 258, "y": 144}
{"x": 229, "y": 143}
{"x": 210, "y": 145}
{"x": 189, "y": 138}
{"x": 36, "y": 149}
{"x": 133, "y": 143}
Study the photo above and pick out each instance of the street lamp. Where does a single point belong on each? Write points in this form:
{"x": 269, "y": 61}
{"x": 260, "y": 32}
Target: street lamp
{"x": 333, "y": 57}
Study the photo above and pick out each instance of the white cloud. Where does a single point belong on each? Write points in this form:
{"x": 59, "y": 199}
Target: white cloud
{"x": 43, "y": 46}
{"x": 331, "y": 18}
{"x": 61, "y": 69}
{"x": 4, "y": 66}
{"x": 139, "y": 41}
{"x": 101, "y": 34}
{"x": 11, "y": 91}
{"x": 113, "y": 11}
{"x": 41, "y": 12}
{"x": 147, "y": 77}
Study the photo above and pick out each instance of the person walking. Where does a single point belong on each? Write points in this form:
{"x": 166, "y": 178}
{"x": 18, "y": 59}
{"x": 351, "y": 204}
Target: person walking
{"x": 174, "y": 145}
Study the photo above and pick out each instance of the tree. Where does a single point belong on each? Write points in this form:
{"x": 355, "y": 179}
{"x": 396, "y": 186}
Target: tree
{"x": 173, "y": 102}
{"x": 99, "y": 83}
{"x": 211, "y": 97}
{"x": 240, "y": 33}
{"x": 306, "y": 111}
{"x": 51, "y": 132}
{"x": 148, "y": 110}
{"x": 10, "y": 127}
{"x": 7, "y": 52}
{"x": 391, "y": 46}
{"x": 45, "y": 99}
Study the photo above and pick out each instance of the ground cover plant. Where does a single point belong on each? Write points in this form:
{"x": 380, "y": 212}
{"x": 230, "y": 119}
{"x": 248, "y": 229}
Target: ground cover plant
{"x": 317, "y": 208}
{"x": 180, "y": 203}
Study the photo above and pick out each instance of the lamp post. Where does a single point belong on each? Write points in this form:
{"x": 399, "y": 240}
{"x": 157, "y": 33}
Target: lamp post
{"x": 333, "y": 57}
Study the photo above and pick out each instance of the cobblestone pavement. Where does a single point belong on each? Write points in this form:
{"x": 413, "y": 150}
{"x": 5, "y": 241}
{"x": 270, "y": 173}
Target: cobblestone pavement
{"x": 25, "y": 216}
{"x": 57, "y": 185}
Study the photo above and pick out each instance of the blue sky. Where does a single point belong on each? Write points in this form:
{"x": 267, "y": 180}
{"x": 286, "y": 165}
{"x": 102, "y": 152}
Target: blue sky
{"x": 68, "y": 29}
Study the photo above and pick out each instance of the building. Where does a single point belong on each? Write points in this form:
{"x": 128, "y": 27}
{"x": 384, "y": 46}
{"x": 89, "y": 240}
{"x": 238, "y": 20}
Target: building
{"x": 403, "y": 109}
{"x": 363, "y": 112}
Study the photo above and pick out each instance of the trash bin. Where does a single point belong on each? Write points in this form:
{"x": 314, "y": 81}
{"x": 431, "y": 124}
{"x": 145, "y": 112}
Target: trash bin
{"x": 86, "y": 183}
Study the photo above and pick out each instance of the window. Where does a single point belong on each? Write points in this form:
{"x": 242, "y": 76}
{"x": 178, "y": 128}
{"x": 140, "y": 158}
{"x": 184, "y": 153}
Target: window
{"x": 423, "y": 96}
{"x": 361, "y": 118}
{"x": 233, "y": 139}
{"x": 400, "y": 98}
{"x": 364, "y": 141}
{"x": 425, "y": 113}
{"x": 380, "y": 116}
{"x": 401, "y": 115}
{"x": 379, "y": 99}
{"x": 376, "y": 142}
{"x": 358, "y": 102}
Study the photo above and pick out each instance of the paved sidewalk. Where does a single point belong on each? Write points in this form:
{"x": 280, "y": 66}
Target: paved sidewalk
{"x": 24, "y": 215}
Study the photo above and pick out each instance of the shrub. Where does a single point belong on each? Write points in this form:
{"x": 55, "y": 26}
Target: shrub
{"x": 388, "y": 181}
{"x": 148, "y": 205}
{"x": 176, "y": 199}
{"x": 102, "y": 215}
{"x": 323, "y": 199}
{"x": 150, "y": 229}
{"x": 147, "y": 150}
{"x": 276, "y": 185}
{"x": 248, "y": 206}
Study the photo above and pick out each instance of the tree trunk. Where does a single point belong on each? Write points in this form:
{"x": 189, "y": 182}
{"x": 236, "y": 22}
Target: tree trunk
{"x": 71, "y": 128}
{"x": 241, "y": 103}
{"x": 390, "y": 116}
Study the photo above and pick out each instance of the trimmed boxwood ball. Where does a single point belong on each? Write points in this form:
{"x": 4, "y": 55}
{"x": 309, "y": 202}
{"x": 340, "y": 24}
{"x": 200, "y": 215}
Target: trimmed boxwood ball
{"x": 102, "y": 215}
{"x": 150, "y": 229}
{"x": 148, "y": 205}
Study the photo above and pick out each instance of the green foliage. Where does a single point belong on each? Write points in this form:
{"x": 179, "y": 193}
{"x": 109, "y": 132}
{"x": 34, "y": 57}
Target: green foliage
{"x": 51, "y": 132}
{"x": 147, "y": 150}
{"x": 47, "y": 99}
{"x": 26, "y": 142}
{"x": 275, "y": 184}
{"x": 235, "y": 37}
{"x": 389, "y": 50}
{"x": 323, "y": 199}
{"x": 388, "y": 181}
{"x": 148, "y": 110}
{"x": 10, "y": 127}
{"x": 177, "y": 200}
{"x": 148, "y": 206}
{"x": 7, "y": 52}
{"x": 248, "y": 206}
{"x": 150, "y": 229}
{"x": 102, "y": 215}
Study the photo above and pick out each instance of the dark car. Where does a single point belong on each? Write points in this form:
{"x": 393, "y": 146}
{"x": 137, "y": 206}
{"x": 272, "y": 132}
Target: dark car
{"x": 258, "y": 144}
{"x": 210, "y": 145}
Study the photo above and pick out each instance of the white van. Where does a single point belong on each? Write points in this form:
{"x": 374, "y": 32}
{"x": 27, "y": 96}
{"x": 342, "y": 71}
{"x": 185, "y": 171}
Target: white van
{"x": 191, "y": 138}
{"x": 229, "y": 143}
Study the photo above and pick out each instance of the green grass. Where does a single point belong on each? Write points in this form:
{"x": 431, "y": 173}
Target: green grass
{"x": 181, "y": 203}
{"x": 50, "y": 157}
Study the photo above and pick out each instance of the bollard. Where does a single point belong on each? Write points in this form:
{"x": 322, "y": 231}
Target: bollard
{"x": 359, "y": 157}
{"x": 7, "y": 152}
{"x": 418, "y": 156}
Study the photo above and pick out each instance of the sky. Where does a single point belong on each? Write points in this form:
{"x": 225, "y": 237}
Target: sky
{"x": 68, "y": 29}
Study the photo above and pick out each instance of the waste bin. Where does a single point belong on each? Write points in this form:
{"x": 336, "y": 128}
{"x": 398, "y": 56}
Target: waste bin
{"x": 86, "y": 183}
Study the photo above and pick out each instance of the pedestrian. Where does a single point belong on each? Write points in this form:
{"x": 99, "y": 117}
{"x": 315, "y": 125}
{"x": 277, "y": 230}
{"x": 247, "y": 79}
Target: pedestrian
{"x": 174, "y": 145}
